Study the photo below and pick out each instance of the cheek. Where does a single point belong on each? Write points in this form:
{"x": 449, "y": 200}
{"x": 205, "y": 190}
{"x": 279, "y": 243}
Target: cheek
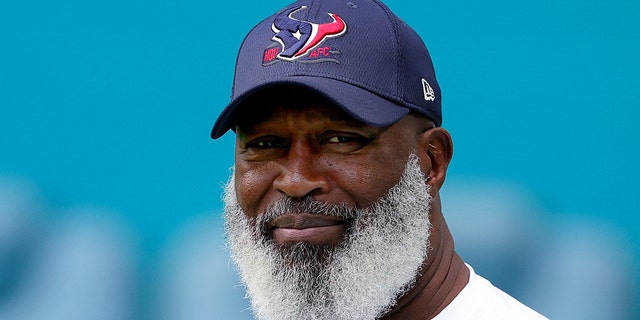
{"x": 367, "y": 181}
{"x": 251, "y": 187}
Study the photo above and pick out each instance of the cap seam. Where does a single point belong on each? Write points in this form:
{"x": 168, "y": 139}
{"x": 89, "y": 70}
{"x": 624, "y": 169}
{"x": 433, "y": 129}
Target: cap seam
{"x": 392, "y": 18}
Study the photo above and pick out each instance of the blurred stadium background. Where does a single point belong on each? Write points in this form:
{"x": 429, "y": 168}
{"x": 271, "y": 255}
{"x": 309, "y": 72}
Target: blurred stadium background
{"x": 110, "y": 186}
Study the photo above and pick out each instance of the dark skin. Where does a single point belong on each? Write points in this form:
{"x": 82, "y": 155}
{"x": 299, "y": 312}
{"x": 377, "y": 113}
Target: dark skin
{"x": 310, "y": 148}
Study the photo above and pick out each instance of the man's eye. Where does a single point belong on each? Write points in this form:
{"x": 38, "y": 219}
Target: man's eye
{"x": 343, "y": 139}
{"x": 345, "y": 143}
{"x": 266, "y": 143}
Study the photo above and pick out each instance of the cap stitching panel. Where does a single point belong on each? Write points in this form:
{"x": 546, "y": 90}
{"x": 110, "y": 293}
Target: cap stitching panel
{"x": 389, "y": 95}
{"x": 394, "y": 28}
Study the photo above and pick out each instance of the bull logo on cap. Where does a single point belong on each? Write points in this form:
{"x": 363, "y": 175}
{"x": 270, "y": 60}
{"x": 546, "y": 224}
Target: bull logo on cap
{"x": 299, "y": 38}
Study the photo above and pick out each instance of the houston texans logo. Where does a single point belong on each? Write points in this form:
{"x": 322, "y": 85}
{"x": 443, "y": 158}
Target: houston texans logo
{"x": 299, "y": 37}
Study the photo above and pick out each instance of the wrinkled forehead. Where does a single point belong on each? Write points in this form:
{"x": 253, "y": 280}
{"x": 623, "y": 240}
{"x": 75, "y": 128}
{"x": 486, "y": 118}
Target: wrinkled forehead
{"x": 281, "y": 100}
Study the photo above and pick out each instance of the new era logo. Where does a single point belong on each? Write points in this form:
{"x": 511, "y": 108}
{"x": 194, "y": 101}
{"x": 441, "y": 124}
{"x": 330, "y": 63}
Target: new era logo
{"x": 429, "y": 95}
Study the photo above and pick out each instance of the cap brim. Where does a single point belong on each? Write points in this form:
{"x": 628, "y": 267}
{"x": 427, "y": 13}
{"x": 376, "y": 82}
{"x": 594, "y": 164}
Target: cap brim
{"x": 359, "y": 103}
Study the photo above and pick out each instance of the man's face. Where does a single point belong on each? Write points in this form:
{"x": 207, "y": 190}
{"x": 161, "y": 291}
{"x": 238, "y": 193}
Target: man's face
{"x": 327, "y": 217}
{"x": 317, "y": 151}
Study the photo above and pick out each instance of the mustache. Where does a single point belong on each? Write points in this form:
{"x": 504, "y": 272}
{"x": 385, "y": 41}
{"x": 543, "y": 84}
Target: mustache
{"x": 306, "y": 205}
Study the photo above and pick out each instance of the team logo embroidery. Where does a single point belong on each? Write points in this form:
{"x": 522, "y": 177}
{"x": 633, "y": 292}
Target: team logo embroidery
{"x": 429, "y": 94}
{"x": 303, "y": 40}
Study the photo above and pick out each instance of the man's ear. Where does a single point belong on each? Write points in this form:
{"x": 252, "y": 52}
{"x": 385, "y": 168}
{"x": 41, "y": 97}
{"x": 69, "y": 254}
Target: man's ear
{"x": 436, "y": 151}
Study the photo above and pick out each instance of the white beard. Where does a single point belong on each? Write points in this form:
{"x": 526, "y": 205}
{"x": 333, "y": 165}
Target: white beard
{"x": 361, "y": 278}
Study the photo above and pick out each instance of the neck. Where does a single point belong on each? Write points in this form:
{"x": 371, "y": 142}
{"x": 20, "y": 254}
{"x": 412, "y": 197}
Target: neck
{"x": 442, "y": 277}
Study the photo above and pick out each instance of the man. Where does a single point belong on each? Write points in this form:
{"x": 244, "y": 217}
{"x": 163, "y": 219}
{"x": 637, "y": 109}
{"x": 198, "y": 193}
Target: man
{"x": 333, "y": 210}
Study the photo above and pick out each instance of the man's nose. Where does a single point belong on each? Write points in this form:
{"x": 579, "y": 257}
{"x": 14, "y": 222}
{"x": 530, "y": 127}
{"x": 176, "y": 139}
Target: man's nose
{"x": 301, "y": 173}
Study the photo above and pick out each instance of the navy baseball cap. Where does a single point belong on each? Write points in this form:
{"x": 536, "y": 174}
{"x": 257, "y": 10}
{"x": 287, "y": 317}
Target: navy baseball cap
{"x": 357, "y": 54}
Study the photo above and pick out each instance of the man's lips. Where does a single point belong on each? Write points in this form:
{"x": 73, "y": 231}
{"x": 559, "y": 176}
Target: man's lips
{"x": 308, "y": 228}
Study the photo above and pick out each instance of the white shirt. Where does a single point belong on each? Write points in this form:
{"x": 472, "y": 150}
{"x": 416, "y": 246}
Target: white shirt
{"x": 481, "y": 300}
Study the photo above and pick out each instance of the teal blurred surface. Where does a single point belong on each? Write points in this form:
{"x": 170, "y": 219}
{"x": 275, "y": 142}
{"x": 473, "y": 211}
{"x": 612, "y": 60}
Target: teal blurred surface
{"x": 110, "y": 103}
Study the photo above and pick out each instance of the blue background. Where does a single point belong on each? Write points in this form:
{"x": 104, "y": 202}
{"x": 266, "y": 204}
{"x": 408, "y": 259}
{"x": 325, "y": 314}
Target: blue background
{"x": 109, "y": 103}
